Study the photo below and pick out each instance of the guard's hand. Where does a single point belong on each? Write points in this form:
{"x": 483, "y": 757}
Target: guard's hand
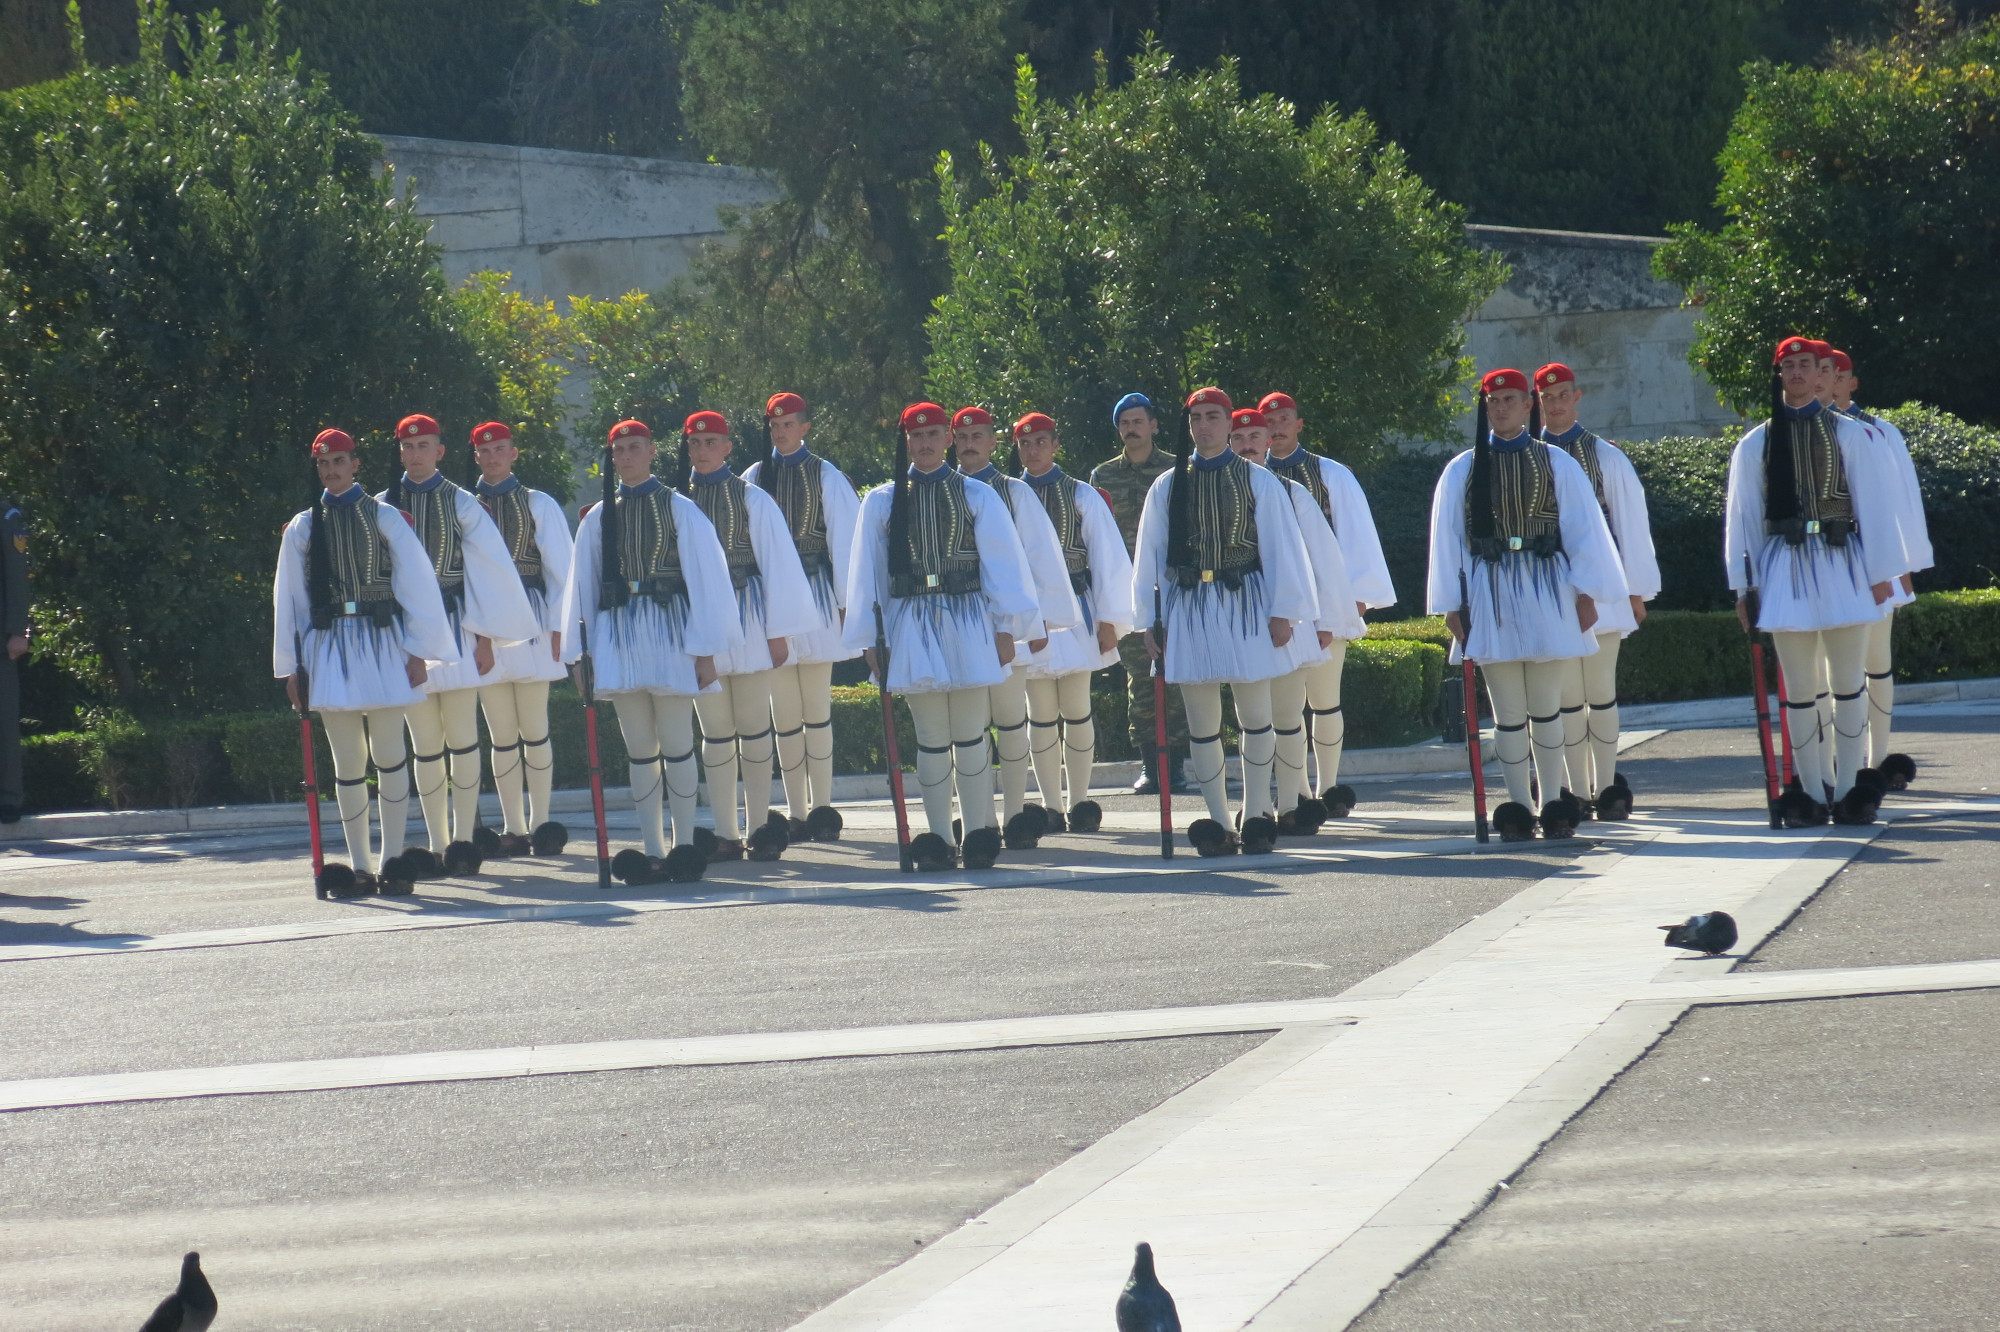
{"x": 292, "y": 690}
{"x": 1281, "y": 631}
{"x": 1456, "y": 623}
{"x": 1743, "y": 614}
{"x": 1004, "y": 645}
{"x": 1037, "y": 644}
{"x": 1883, "y": 591}
{"x": 416, "y": 671}
{"x": 1106, "y": 639}
{"x": 1326, "y": 638}
{"x": 1361, "y": 609}
{"x": 482, "y": 654}
{"x": 1638, "y": 610}
{"x": 781, "y": 651}
{"x": 1152, "y": 648}
{"x": 17, "y": 645}
{"x": 704, "y": 672}
{"x": 555, "y": 646}
{"x": 874, "y": 668}
{"x": 1586, "y": 612}
{"x": 1908, "y": 586}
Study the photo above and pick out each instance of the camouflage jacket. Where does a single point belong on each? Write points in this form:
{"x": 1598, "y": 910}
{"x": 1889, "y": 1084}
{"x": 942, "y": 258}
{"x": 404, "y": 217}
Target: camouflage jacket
{"x": 1125, "y": 484}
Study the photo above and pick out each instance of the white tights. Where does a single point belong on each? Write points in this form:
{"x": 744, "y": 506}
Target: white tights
{"x": 1328, "y": 722}
{"x": 737, "y": 719}
{"x": 1288, "y": 750}
{"x": 659, "y": 746}
{"x": 441, "y": 724}
{"x": 1009, "y": 704}
{"x": 1843, "y": 652}
{"x": 1255, "y": 744}
{"x": 1062, "y": 736}
{"x": 1590, "y": 719}
{"x": 1881, "y": 674}
{"x": 802, "y": 710}
{"x": 951, "y": 741}
{"x": 517, "y": 722}
{"x": 352, "y": 736}
{"x": 1527, "y": 706}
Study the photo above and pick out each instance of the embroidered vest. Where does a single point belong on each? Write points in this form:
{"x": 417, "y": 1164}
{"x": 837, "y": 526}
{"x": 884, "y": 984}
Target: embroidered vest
{"x": 944, "y": 551}
{"x": 1525, "y": 513}
{"x": 435, "y": 513}
{"x": 1222, "y": 526}
{"x": 649, "y": 550}
{"x": 513, "y": 511}
{"x": 724, "y": 504}
{"x": 1304, "y": 468}
{"x": 1583, "y": 448}
{"x": 358, "y": 564}
{"x": 797, "y": 489}
{"x": 1819, "y": 475}
{"x": 1060, "y": 501}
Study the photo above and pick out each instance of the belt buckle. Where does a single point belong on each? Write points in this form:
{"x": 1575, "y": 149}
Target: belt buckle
{"x": 635, "y": 584}
{"x": 350, "y": 608}
{"x": 1513, "y": 543}
{"x": 1812, "y": 526}
{"x": 930, "y": 580}
{"x": 1208, "y": 575}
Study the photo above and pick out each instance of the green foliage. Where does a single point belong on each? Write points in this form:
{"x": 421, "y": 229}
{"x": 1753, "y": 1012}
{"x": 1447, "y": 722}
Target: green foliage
{"x": 1685, "y": 654}
{"x": 1170, "y": 232}
{"x": 1949, "y": 635}
{"x": 199, "y": 269}
{"x": 1958, "y": 466}
{"x": 1399, "y": 490}
{"x": 1421, "y": 629}
{"x": 1861, "y": 204}
{"x": 56, "y": 772}
{"x": 526, "y": 345}
{"x": 1389, "y": 691}
{"x": 1687, "y": 487}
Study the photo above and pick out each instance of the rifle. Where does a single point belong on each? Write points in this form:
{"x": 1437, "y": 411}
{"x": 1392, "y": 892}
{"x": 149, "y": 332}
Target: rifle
{"x": 903, "y": 860}
{"x": 311, "y": 782}
{"x": 1473, "y": 755}
{"x": 1161, "y": 758}
{"x": 1763, "y": 703}
{"x": 586, "y": 683}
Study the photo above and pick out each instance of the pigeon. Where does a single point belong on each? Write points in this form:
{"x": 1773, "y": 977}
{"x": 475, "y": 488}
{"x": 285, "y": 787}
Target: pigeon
{"x": 930, "y": 853}
{"x": 1144, "y": 1305}
{"x": 1711, "y": 932}
{"x": 462, "y": 858}
{"x": 982, "y": 847}
{"x": 1303, "y": 819}
{"x": 1614, "y": 802}
{"x": 335, "y": 880}
{"x": 1211, "y": 838}
{"x": 684, "y": 864}
{"x": 1086, "y": 816}
{"x": 633, "y": 866}
{"x": 1514, "y": 823}
{"x": 770, "y": 841}
{"x": 1900, "y": 770}
{"x": 1559, "y": 818}
{"x": 1024, "y": 832}
{"x": 1260, "y": 835}
{"x": 1338, "y": 799}
{"x": 548, "y": 839}
{"x": 191, "y": 1308}
{"x": 1858, "y": 807}
{"x": 1796, "y": 809}
{"x": 422, "y": 863}
{"x": 824, "y": 823}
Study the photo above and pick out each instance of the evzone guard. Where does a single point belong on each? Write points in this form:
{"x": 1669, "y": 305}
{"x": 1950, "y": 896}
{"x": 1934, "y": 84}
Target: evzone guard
{"x": 1062, "y": 730}
{"x": 651, "y": 584}
{"x": 1590, "y": 692}
{"x": 515, "y": 694}
{"x": 819, "y": 505}
{"x": 974, "y": 441}
{"x": 773, "y": 602}
{"x": 1913, "y": 533}
{"x": 1338, "y": 493}
{"x": 1811, "y": 533}
{"x": 936, "y": 556}
{"x": 487, "y": 607}
{"x": 356, "y": 608}
{"x": 1520, "y": 560}
{"x": 1300, "y": 813}
{"x": 1219, "y": 544}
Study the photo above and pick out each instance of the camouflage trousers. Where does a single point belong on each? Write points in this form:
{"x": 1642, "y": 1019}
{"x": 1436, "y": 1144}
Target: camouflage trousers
{"x": 1139, "y": 697}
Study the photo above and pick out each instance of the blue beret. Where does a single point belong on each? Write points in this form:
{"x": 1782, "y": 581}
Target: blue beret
{"x": 1128, "y": 402}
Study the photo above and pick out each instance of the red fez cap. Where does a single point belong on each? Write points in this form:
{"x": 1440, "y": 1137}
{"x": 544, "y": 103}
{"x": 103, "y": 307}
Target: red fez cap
{"x": 1554, "y": 373}
{"x": 783, "y": 404}
{"x": 1842, "y": 361}
{"x": 1794, "y": 346}
{"x": 1823, "y": 349}
{"x": 412, "y": 426}
{"x": 1205, "y": 396}
{"x": 624, "y": 428}
{"x": 924, "y": 414}
{"x": 706, "y": 423}
{"x": 1496, "y": 380}
{"x": 1277, "y": 402}
{"x": 1247, "y": 418}
{"x": 1032, "y": 422}
{"x": 970, "y": 416}
{"x": 491, "y": 432}
{"x": 332, "y": 441}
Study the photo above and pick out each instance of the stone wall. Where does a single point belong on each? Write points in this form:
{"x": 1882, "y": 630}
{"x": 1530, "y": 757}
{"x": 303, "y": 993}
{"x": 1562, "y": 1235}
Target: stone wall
{"x": 1592, "y": 302}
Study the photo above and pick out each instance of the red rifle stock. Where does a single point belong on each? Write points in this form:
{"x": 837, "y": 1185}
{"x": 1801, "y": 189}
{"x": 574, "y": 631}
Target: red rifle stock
{"x": 889, "y": 744}
{"x": 587, "y": 686}
{"x": 1162, "y": 758}
{"x": 1473, "y": 756}
{"x": 311, "y": 782}
{"x": 1757, "y": 679}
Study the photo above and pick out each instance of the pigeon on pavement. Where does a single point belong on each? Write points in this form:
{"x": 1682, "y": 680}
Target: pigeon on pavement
{"x": 1711, "y": 932}
{"x": 191, "y": 1308}
{"x": 1144, "y": 1305}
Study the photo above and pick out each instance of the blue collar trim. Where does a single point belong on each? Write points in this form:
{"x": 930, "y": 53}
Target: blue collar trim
{"x": 795, "y": 457}
{"x": 1566, "y": 436}
{"x": 507, "y": 487}
{"x": 423, "y": 487}
{"x": 646, "y": 487}
{"x": 987, "y": 474}
{"x": 1215, "y": 464}
{"x": 714, "y": 478}
{"x": 938, "y": 473}
{"x": 1048, "y": 478}
{"x": 1514, "y": 445}
{"x": 350, "y": 496}
{"x": 1801, "y": 413}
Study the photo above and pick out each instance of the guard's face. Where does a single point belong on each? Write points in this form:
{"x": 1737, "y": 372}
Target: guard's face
{"x": 927, "y": 445}
{"x": 1799, "y": 373}
{"x": 975, "y": 445}
{"x": 788, "y": 432}
{"x": 495, "y": 459}
{"x": 1036, "y": 451}
{"x": 1823, "y": 381}
{"x": 1251, "y": 442}
{"x": 1844, "y": 384}
{"x": 707, "y": 452}
{"x": 632, "y": 458}
{"x": 421, "y": 456}
{"x": 1507, "y": 412}
{"x": 1208, "y": 427}
{"x": 1137, "y": 426}
{"x": 337, "y": 470}
{"x": 1559, "y": 404}
{"x": 1284, "y": 425}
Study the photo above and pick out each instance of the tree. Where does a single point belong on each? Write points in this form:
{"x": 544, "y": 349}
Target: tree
{"x": 526, "y": 346}
{"x": 1862, "y": 205}
{"x": 200, "y": 268}
{"x": 1170, "y": 232}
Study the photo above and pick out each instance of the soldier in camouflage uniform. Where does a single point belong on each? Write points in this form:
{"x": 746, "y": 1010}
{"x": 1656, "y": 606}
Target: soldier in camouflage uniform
{"x": 1125, "y": 481}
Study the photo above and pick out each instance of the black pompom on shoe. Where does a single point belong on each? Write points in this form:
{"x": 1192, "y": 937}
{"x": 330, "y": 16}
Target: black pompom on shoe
{"x": 1614, "y": 802}
{"x": 1056, "y": 823}
{"x": 798, "y": 830}
{"x": 488, "y": 843}
{"x": 684, "y": 864}
{"x": 930, "y": 853}
{"x": 462, "y": 858}
{"x": 705, "y": 841}
{"x": 515, "y": 844}
{"x": 335, "y": 880}
{"x": 1558, "y": 820}
{"x": 1796, "y": 809}
{"x": 1873, "y": 779}
{"x": 982, "y": 848}
{"x": 1858, "y": 807}
{"x": 1514, "y": 822}
{"x": 1086, "y": 816}
{"x": 1211, "y": 838}
{"x": 1260, "y": 835}
{"x": 1339, "y": 800}
{"x": 1039, "y": 814}
{"x": 1303, "y": 819}
{"x": 398, "y": 878}
{"x": 633, "y": 866}
{"x": 1899, "y": 770}
{"x": 1578, "y": 811}
{"x": 1024, "y": 832}
{"x": 824, "y": 823}
{"x": 549, "y": 839}
{"x": 770, "y": 841}
{"x": 422, "y": 863}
